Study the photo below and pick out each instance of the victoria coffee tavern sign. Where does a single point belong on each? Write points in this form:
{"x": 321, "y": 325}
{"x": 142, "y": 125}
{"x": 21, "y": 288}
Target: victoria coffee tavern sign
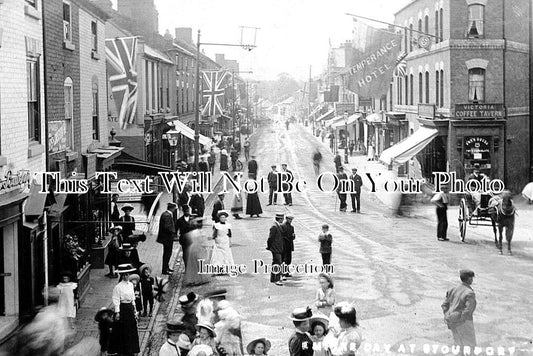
{"x": 479, "y": 111}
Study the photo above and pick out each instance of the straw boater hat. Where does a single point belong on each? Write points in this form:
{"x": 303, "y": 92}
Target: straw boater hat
{"x": 222, "y": 212}
{"x": 134, "y": 277}
{"x": 116, "y": 227}
{"x": 280, "y": 216}
{"x": 175, "y": 326}
{"x": 251, "y": 346}
{"x": 301, "y": 314}
{"x": 126, "y": 247}
{"x": 143, "y": 267}
{"x": 102, "y": 312}
{"x": 208, "y": 326}
{"x": 125, "y": 268}
{"x": 187, "y": 299}
{"x": 127, "y": 206}
{"x": 319, "y": 318}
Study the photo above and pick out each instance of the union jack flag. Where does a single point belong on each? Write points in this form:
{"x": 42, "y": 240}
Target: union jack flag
{"x": 213, "y": 91}
{"x": 121, "y": 59}
{"x": 401, "y": 65}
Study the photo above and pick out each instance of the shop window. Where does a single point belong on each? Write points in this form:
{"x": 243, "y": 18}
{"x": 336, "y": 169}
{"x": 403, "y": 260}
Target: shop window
{"x": 475, "y": 20}
{"x": 390, "y": 95}
{"x": 427, "y": 87}
{"x": 476, "y": 85}
{"x": 441, "y": 24}
{"x": 419, "y": 26}
{"x": 34, "y": 111}
{"x": 400, "y": 94}
{"x": 33, "y": 3}
{"x": 69, "y": 111}
{"x": 95, "y": 123}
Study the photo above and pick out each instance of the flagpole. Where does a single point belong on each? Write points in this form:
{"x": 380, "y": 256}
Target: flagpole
{"x": 197, "y": 111}
{"x": 391, "y": 24}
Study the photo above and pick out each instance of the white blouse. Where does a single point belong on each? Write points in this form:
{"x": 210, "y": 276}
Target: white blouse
{"x": 123, "y": 293}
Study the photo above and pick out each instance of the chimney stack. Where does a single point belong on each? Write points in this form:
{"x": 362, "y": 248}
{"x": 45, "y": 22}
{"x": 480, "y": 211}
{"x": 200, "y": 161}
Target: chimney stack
{"x": 184, "y": 34}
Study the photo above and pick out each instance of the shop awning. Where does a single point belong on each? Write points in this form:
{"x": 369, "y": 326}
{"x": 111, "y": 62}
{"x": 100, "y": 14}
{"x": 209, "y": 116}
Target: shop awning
{"x": 327, "y": 115}
{"x": 189, "y": 133}
{"x": 317, "y": 109}
{"x": 408, "y": 147}
{"x": 350, "y": 121}
{"x": 375, "y": 117}
{"x": 333, "y": 121}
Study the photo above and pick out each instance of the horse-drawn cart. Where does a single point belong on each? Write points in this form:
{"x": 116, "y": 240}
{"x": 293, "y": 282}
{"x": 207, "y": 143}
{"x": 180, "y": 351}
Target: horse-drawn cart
{"x": 473, "y": 210}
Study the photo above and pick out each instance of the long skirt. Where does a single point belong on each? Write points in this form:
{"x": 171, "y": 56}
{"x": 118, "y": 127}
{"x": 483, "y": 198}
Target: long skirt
{"x": 197, "y": 251}
{"x": 253, "y": 205}
{"x": 125, "y": 337}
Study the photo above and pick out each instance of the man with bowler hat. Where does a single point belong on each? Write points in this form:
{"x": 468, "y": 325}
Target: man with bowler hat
{"x": 167, "y": 232}
{"x": 184, "y": 225}
{"x": 288, "y": 242}
{"x": 174, "y": 329}
{"x": 272, "y": 179}
{"x": 341, "y": 190}
{"x": 300, "y": 343}
{"x": 355, "y": 195}
{"x": 275, "y": 246}
{"x": 458, "y": 307}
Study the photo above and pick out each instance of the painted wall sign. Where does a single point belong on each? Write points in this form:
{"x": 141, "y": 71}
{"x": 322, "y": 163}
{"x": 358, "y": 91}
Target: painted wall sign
{"x": 11, "y": 181}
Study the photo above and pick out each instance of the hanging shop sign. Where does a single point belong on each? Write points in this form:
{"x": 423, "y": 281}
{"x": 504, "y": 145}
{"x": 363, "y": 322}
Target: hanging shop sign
{"x": 479, "y": 111}
{"x": 12, "y": 181}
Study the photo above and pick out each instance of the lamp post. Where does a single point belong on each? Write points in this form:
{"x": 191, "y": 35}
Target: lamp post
{"x": 172, "y": 137}
{"x": 347, "y": 137}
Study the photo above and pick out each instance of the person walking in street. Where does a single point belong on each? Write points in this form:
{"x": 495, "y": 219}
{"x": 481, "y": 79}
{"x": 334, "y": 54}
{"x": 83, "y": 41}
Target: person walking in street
{"x": 288, "y": 242}
{"x": 458, "y": 307}
{"x": 338, "y": 162}
{"x": 343, "y": 179}
{"x": 317, "y": 159}
{"x": 203, "y": 165}
{"x": 253, "y": 204}
{"x": 234, "y": 157}
{"x": 125, "y": 337}
{"x": 252, "y": 168}
{"x": 67, "y": 299}
{"x": 113, "y": 254}
{"x": 188, "y": 303}
{"x": 300, "y": 343}
{"x": 166, "y": 234}
{"x": 325, "y": 240}
{"x": 211, "y": 160}
{"x": 183, "y": 226}
{"x": 223, "y": 160}
{"x": 272, "y": 179}
{"x": 217, "y": 206}
{"x": 355, "y": 195}
{"x": 115, "y": 214}
{"x": 441, "y": 200}
{"x": 275, "y": 246}
{"x": 351, "y": 147}
{"x": 197, "y": 204}
{"x": 197, "y": 251}
{"x": 127, "y": 222}
{"x": 246, "y": 149}
{"x": 221, "y": 254}
{"x": 287, "y": 178}
{"x": 236, "y": 203}
{"x": 237, "y": 145}
{"x": 258, "y": 347}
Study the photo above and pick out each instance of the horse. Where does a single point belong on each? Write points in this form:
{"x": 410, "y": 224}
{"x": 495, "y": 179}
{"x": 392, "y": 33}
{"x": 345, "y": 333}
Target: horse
{"x": 502, "y": 213}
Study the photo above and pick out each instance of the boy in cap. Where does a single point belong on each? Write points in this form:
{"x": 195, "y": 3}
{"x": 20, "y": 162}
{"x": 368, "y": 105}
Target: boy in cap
{"x": 458, "y": 307}
{"x": 300, "y": 343}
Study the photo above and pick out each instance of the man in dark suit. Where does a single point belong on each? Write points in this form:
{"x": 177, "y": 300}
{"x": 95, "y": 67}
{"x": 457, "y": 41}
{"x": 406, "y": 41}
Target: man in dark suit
{"x": 167, "y": 232}
{"x": 185, "y": 196}
{"x": 287, "y": 196}
{"x": 184, "y": 225}
{"x": 338, "y": 162}
{"x": 197, "y": 204}
{"x": 288, "y": 241}
{"x": 357, "y": 183}
{"x": 275, "y": 246}
{"x": 252, "y": 168}
{"x": 219, "y": 205}
{"x": 342, "y": 187}
{"x": 272, "y": 179}
{"x": 202, "y": 165}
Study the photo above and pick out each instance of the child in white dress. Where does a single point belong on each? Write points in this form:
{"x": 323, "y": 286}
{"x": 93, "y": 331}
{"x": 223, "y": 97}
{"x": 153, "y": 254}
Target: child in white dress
{"x": 222, "y": 235}
{"x": 66, "y": 303}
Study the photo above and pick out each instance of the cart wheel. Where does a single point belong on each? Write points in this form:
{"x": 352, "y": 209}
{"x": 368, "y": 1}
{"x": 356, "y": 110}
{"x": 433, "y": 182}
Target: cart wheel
{"x": 463, "y": 219}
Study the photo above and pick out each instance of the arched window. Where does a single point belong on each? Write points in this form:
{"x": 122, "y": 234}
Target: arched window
{"x": 95, "y": 123}
{"x": 420, "y": 88}
{"x": 427, "y": 87}
{"x": 476, "y": 17}
{"x": 400, "y": 95}
{"x": 426, "y": 24}
{"x": 69, "y": 112}
{"x": 476, "y": 85}
{"x": 441, "y": 24}
{"x": 436, "y": 26}
{"x": 419, "y": 26}
{"x": 411, "y": 83}
{"x": 410, "y": 37}
{"x": 437, "y": 88}
{"x": 406, "y": 90}
{"x": 441, "y": 88}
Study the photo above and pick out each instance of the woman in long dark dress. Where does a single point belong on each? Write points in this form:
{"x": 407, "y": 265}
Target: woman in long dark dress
{"x": 253, "y": 205}
{"x": 125, "y": 336}
{"x": 224, "y": 160}
{"x": 127, "y": 222}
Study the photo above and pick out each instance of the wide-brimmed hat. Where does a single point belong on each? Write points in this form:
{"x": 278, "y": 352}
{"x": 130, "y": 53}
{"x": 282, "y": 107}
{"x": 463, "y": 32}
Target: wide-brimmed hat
{"x": 222, "y": 212}
{"x": 127, "y": 206}
{"x": 318, "y": 318}
{"x": 134, "y": 276}
{"x": 100, "y": 313}
{"x": 143, "y": 267}
{"x": 251, "y": 346}
{"x": 208, "y": 326}
{"x": 184, "y": 342}
{"x": 116, "y": 227}
{"x": 188, "y": 298}
{"x": 301, "y": 314}
{"x": 477, "y": 165}
{"x": 126, "y": 246}
{"x": 327, "y": 277}
{"x": 125, "y": 268}
{"x": 174, "y": 326}
{"x": 289, "y": 217}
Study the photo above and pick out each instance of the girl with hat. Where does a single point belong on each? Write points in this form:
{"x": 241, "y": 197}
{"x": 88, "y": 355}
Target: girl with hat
{"x": 113, "y": 253}
{"x": 222, "y": 235}
{"x": 349, "y": 338}
{"x": 300, "y": 343}
{"x": 129, "y": 255}
{"x": 124, "y": 337}
{"x": 258, "y": 347}
{"x": 206, "y": 336}
{"x": 127, "y": 221}
{"x": 67, "y": 301}
{"x": 325, "y": 294}
{"x": 319, "y": 328}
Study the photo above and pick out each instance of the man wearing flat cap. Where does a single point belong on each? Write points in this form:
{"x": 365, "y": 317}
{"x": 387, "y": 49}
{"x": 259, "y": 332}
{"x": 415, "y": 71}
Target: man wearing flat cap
{"x": 275, "y": 246}
{"x": 288, "y": 242}
{"x": 167, "y": 232}
{"x": 300, "y": 343}
{"x": 458, "y": 308}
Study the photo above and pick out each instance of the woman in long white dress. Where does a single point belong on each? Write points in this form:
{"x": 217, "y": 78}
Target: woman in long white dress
{"x": 222, "y": 235}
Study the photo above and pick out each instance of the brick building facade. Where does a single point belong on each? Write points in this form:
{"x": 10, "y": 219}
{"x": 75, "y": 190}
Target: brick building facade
{"x": 478, "y": 53}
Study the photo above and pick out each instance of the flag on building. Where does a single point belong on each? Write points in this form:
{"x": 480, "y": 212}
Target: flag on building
{"x": 401, "y": 67}
{"x": 375, "y": 56}
{"x": 121, "y": 59}
{"x": 213, "y": 91}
